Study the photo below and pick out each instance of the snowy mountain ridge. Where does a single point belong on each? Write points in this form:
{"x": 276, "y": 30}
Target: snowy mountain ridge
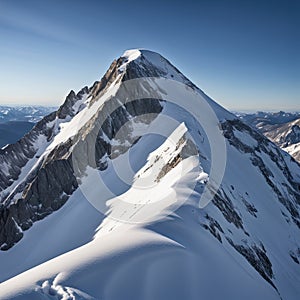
{"x": 144, "y": 155}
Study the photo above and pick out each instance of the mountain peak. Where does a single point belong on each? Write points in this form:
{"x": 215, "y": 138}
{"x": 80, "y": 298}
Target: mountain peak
{"x": 137, "y": 159}
{"x": 148, "y": 59}
{"x": 131, "y": 54}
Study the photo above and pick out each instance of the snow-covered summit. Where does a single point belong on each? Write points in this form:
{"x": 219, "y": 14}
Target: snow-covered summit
{"x": 132, "y": 54}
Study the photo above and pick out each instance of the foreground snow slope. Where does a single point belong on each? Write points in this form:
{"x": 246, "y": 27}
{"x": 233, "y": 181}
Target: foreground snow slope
{"x": 151, "y": 239}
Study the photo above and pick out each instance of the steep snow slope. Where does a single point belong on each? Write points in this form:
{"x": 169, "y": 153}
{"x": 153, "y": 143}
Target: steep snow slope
{"x": 175, "y": 199}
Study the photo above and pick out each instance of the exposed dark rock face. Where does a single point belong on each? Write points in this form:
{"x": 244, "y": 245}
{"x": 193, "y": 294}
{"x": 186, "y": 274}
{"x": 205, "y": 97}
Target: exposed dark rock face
{"x": 99, "y": 86}
{"x": 258, "y": 258}
{"x": 251, "y": 208}
{"x": 100, "y": 133}
{"x": 67, "y": 110}
{"x": 253, "y": 144}
{"x": 295, "y": 256}
{"x": 256, "y": 254}
{"x": 291, "y": 200}
{"x": 15, "y": 156}
{"x": 50, "y": 183}
{"x": 46, "y": 187}
{"x": 224, "y": 204}
{"x": 188, "y": 149}
{"x": 48, "y": 191}
{"x": 293, "y": 137}
{"x": 213, "y": 227}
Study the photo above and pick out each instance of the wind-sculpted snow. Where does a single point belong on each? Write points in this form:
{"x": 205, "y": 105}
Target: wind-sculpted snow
{"x": 159, "y": 193}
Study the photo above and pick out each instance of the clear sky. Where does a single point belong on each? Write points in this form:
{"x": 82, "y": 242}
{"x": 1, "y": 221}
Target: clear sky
{"x": 244, "y": 54}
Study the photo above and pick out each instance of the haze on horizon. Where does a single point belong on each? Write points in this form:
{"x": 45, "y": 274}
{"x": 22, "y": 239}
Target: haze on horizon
{"x": 244, "y": 54}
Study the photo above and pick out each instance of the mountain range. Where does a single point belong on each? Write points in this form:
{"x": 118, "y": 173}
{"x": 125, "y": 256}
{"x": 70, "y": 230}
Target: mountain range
{"x": 16, "y": 121}
{"x": 282, "y": 128}
{"x": 142, "y": 187}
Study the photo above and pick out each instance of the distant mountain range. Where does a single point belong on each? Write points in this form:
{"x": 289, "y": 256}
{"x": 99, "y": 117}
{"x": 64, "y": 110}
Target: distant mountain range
{"x": 26, "y": 113}
{"x": 283, "y": 128}
{"x": 15, "y": 121}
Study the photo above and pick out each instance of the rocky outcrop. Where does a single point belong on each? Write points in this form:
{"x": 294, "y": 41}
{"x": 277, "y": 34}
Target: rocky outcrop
{"x": 258, "y": 258}
{"x": 291, "y": 200}
{"x": 46, "y": 187}
{"x": 15, "y": 156}
{"x": 50, "y": 183}
{"x": 67, "y": 110}
{"x": 293, "y": 137}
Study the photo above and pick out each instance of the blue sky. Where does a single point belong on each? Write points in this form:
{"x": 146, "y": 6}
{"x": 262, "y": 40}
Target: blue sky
{"x": 244, "y": 54}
